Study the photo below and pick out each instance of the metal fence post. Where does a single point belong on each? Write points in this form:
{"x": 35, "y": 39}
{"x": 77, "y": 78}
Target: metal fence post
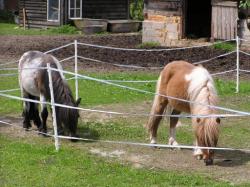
{"x": 76, "y": 70}
{"x": 53, "y": 108}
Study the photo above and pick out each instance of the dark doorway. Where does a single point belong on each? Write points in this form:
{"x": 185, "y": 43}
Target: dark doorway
{"x": 198, "y": 18}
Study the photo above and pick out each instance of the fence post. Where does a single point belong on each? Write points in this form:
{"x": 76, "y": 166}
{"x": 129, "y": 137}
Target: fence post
{"x": 53, "y": 107}
{"x": 76, "y": 69}
{"x": 237, "y": 64}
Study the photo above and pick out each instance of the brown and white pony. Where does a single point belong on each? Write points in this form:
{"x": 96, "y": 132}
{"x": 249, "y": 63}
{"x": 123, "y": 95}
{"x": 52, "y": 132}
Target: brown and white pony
{"x": 183, "y": 80}
{"x": 34, "y": 84}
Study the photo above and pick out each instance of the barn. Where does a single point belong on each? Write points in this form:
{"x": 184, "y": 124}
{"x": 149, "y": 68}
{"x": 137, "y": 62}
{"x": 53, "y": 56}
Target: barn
{"x": 51, "y": 13}
{"x": 169, "y": 21}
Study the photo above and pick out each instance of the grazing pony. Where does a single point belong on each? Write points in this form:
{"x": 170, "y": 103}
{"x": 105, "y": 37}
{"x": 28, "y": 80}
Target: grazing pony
{"x": 34, "y": 84}
{"x": 183, "y": 80}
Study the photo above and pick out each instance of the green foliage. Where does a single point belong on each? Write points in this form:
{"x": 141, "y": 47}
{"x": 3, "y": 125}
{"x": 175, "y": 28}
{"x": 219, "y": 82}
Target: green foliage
{"x": 149, "y": 45}
{"x": 225, "y": 46}
{"x": 136, "y": 9}
{"x": 65, "y": 29}
{"x": 6, "y": 16}
{"x": 244, "y": 4}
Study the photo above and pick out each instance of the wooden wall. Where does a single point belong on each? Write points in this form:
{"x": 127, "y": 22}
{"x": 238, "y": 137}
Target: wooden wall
{"x": 224, "y": 15}
{"x": 106, "y": 9}
{"x": 36, "y": 14}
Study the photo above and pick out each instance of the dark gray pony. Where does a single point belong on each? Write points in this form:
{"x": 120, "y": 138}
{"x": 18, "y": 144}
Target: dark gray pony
{"x": 34, "y": 84}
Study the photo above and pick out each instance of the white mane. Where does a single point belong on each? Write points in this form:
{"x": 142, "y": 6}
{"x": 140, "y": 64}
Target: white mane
{"x": 201, "y": 89}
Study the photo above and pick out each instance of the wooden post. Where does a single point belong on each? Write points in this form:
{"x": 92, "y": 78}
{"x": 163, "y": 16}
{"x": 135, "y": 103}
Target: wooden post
{"x": 24, "y": 18}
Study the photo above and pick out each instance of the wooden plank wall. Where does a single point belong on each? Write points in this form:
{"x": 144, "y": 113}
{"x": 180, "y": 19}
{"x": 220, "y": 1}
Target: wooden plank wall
{"x": 36, "y": 14}
{"x": 224, "y": 15}
{"x": 106, "y": 9}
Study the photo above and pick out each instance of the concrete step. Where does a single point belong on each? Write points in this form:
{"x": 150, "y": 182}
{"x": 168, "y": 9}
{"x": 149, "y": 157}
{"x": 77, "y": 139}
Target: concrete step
{"x": 92, "y": 29}
{"x": 123, "y": 26}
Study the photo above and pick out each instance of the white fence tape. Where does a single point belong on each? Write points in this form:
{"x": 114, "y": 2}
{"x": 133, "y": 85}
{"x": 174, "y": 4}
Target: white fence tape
{"x": 123, "y": 114}
{"x": 118, "y": 65}
{"x": 248, "y": 54}
{"x": 150, "y": 50}
{"x": 61, "y": 47}
{"x": 223, "y": 55}
{"x": 134, "y": 143}
{"x": 10, "y": 90}
{"x": 151, "y": 93}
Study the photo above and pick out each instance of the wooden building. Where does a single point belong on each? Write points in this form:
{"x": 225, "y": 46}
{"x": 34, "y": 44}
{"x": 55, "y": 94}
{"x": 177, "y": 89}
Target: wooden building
{"x": 169, "y": 21}
{"x": 51, "y": 13}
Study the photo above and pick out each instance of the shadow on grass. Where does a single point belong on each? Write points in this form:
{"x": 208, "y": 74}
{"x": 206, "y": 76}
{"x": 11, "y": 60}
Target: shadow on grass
{"x": 232, "y": 158}
{"x": 88, "y": 133}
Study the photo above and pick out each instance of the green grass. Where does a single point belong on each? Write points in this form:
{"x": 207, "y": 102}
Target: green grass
{"x": 225, "y": 46}
{"x": 94, "y": 93}
{"x": 24, "y": 164}
{"x": 13, "y": 29}
{"x": 148, "y": 45}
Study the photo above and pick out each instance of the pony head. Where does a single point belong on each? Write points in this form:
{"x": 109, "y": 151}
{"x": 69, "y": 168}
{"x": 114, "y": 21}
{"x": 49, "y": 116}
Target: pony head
{"x": 69, "y": 117}
{"x": 207, "y": 134}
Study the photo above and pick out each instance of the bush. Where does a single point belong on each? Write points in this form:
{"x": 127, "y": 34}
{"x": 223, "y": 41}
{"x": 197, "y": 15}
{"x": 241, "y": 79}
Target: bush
{"x": 65, "y": 29}
{"x": 225, "y": 46}
{"x": 6, "y": 16}
{"x": 136, "y": 9}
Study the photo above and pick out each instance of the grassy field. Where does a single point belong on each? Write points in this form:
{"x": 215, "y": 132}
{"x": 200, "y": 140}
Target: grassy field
{"x": 13, "y": 29}
{"x": 24, "y": 163}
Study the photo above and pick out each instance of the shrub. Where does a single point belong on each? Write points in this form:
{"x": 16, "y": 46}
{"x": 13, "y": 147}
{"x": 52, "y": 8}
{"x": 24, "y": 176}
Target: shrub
{"x": 65, "y": 29}
{"x": 136, "y": 9}
{"x": 6, "y": 16}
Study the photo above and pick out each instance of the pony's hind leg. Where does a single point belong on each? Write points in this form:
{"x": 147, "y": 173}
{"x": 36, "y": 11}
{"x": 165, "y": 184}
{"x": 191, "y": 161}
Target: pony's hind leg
{"x": 172, "y": 131}
{"x": 157, "y": 110}
{"x": 26, "y": 116}
{"x": 44, "y": 115}
{"x": 34, "y": 112}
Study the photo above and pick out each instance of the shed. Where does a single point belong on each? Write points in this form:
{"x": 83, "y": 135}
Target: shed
{"x": 169, "y": 21}
{"x": 51, "y": 13}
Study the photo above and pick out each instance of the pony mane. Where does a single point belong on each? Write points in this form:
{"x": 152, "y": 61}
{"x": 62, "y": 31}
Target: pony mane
{"x": 63, "y": 95}
{"x": 202, "y": 90}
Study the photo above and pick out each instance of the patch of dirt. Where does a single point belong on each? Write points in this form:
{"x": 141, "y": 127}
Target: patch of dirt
{"x": 14, "y": 46}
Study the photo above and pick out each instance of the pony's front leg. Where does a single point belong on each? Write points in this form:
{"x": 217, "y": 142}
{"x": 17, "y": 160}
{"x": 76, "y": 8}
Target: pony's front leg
{"x": 172, "y": 131}
{"x": 198, "y": 152}
{"x": 157, "y": 110}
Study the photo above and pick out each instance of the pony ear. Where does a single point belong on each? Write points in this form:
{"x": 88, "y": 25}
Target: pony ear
{"x": 218, "y": 120}
{"x": 198, "y": 120}
{"x": 78, "y": 101}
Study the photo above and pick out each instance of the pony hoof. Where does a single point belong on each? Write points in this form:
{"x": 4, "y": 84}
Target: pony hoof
{"x": 209, "y": 162}
{"x": 74, "y": 138}
{"x": 199, "y": 157}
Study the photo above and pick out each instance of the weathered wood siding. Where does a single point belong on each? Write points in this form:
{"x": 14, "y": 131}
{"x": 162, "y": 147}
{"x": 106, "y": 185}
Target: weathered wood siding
{"x": 224, "y": 16}
{"x": 36, "y": 14}
{"x": 106, "y": 9}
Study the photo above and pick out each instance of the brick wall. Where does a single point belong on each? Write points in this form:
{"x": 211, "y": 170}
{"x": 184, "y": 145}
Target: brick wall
{"x": 163, "y": 29}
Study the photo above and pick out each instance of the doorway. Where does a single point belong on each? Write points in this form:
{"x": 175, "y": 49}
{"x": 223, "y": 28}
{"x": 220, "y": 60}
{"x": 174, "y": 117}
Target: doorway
{"x": 198, "y": 18}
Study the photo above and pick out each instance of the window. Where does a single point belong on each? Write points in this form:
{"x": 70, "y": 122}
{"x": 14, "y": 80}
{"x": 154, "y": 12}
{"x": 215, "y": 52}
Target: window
{"x": 75, "y": 9}
{"x": 53, "y": 10}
